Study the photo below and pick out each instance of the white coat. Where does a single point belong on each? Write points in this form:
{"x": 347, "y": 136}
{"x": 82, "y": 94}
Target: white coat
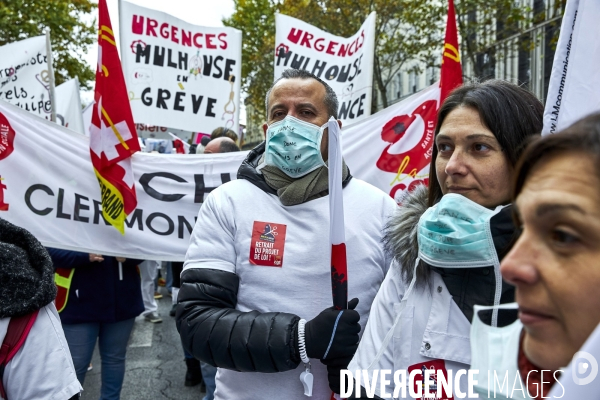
{"x": 431, "y": 332}
{"x": 42, "y": 369}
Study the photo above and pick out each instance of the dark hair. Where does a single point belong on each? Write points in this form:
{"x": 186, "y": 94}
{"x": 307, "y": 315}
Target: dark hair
{"x": 330, "y": 100}
{"x": 228, "y": 147}
{"x": 513, "y": 114}
{"x": 222, "y": 131}
{"x": 581, "y": 137}
{"x": 204, "y": 141}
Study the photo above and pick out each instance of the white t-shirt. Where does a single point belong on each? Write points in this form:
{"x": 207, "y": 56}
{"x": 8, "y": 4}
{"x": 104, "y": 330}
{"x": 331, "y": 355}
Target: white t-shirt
{"x": 301, "y": 283}
{"x": 42, "y": 369}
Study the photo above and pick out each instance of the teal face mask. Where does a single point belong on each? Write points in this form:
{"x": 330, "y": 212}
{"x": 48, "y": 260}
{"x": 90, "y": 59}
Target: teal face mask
{"x": 294, "y": 146}
{"x": 455, "y": 233}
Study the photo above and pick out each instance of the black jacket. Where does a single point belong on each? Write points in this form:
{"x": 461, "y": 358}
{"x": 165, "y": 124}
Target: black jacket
{"x": 97, "y": 294}
{"x": 218, "y": 334}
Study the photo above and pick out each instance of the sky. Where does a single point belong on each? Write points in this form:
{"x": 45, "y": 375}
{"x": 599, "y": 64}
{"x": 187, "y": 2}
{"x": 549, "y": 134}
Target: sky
{"x": 197, "y": 12}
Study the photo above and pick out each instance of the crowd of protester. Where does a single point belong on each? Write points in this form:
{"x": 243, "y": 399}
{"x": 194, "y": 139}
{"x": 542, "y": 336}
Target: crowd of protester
{"x": 491, "y": 267}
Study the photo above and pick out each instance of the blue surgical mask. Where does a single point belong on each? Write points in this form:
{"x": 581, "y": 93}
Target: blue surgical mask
{"x": 455, "y": 233}
{"x": 294, "y": 146}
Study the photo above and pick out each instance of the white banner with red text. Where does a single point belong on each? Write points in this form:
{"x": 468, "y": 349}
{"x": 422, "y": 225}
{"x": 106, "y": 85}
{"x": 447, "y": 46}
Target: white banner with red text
{"x": 392, "y": 149}
{"x": 180, "y": 75}
{"x": 346, "y": 64}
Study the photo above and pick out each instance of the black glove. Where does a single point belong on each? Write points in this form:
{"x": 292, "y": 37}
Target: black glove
{"x": 334, "y": 366}
{"x": 322, "y": 333}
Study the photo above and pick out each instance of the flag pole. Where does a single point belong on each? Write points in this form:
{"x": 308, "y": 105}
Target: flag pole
{"x": 337, "y": 236}
{"x": 51, "y": 75}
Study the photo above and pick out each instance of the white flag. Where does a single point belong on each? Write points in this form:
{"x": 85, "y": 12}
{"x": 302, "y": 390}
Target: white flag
{"x": 68, "y": 106}
{"x": 574, "y": 90}
{"x": 86, "y": 115}
{"x": 24, "y": 75}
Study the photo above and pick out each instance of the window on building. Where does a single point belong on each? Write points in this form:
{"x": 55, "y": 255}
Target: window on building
{"x": 412, "y": 82}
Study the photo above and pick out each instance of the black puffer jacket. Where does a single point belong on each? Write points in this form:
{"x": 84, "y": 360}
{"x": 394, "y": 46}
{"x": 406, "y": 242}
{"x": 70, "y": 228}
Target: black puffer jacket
{"x": 218, "y": 334}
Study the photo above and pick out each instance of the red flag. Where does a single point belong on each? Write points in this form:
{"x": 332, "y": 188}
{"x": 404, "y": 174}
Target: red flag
{"x": 113, "y": 138}
{"x": 451, "y": 75}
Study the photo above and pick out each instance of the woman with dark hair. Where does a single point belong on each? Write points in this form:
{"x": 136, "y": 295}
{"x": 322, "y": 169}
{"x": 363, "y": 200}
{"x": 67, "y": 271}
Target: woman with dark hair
{"x": 554, "y": 265}
{"x": 447, "y": 240}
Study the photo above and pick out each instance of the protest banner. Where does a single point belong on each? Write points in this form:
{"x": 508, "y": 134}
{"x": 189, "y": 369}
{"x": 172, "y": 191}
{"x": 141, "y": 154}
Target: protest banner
{"x": 392, "y": 149}
{"x": 25, "y": 77}
{"x": 180, "y": 75}
{"x": 574, "y": 88}
{"x": 68, "y": 106}
{"x": 346, "y": 64}
{"x": 86, "y": 114}
{"x": 58, "y": 199}
{"x": 59, "y": 202}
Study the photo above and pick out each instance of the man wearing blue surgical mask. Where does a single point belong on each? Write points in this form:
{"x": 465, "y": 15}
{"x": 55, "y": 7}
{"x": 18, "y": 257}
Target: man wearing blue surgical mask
{"x": 255, "y": 299}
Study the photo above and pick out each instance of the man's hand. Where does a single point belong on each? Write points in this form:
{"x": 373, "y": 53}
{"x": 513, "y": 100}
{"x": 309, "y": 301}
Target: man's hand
{"x": 333, "y": 333}
{"x": 96, "y": 257}
{"x": 120, "y": 259}
{"x": 334, "y": 366}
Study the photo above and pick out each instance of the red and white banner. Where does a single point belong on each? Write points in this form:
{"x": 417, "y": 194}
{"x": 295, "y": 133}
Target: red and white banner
{"x": 346, "y": 64}
{"x": 178, "y": 74}
{"x": 392, "y": 149}
{"x": 574, "y": 89}
{"x": 57, "y": 198}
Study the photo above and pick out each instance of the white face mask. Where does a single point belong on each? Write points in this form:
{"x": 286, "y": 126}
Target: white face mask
{"x": 494, "y": 353}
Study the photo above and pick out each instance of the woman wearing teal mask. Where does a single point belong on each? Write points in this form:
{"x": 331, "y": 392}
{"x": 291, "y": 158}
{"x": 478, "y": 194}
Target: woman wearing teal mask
{"x": 555, "y": 269}
{"x": 448, "y": 241}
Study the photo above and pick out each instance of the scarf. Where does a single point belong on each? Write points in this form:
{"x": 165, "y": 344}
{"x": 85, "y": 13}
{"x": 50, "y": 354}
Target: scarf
{"x": 292, "y": 191}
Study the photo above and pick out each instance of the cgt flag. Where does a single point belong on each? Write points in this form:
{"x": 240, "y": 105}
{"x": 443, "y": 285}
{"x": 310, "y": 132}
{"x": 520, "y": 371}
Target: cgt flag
{"x": 451, "y": 74}
{"x": 113, "y": 138}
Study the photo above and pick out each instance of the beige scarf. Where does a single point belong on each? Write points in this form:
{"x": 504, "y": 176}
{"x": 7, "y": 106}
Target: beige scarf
{"x": 297, "y": 191}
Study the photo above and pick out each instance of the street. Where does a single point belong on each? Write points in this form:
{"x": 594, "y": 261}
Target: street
{"x": 155, "y": 368}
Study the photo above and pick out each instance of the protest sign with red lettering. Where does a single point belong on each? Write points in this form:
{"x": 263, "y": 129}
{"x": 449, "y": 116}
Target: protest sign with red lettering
{"x": 346, "y": 64}
{"x": 180, "y": 75}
